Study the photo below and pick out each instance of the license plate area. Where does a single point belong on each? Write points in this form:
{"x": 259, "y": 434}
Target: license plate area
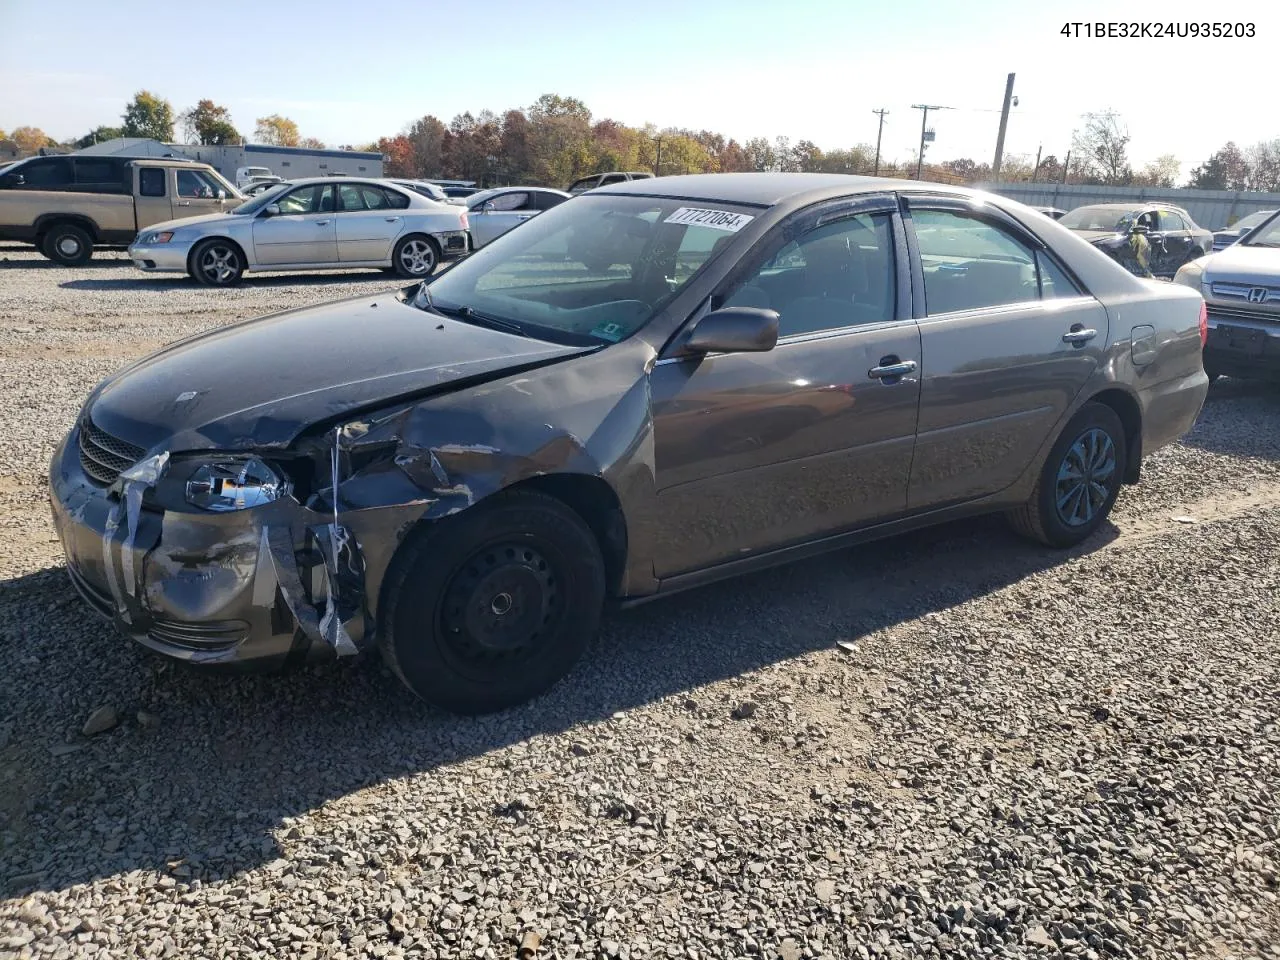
{"x": 1244, "y": 340}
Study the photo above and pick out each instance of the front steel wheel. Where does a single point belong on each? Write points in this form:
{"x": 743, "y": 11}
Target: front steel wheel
{"x": 217, "y": 263}
{"x": 1079, "y": 481}
{"x": 489, "y": 608}
{"x": 415, "y": 256}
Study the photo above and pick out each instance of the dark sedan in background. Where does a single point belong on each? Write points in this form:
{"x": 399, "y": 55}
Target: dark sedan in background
{"x": 740, "y": 370}
{"x": 1228, "y": 235}
{"x": 1172, "y": 237}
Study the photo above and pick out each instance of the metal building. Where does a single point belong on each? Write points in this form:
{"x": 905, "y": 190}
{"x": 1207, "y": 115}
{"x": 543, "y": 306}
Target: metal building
{"x": 287, "y": 162}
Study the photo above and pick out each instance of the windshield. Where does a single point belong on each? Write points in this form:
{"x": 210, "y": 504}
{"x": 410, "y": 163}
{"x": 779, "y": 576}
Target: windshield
{"x": 1252, "y": 220}
{"x": 1098, "y": 218}
{"x": 593, "y": 271}
{"x": 261, "y": 200}
{"x": 1265, "y": 235}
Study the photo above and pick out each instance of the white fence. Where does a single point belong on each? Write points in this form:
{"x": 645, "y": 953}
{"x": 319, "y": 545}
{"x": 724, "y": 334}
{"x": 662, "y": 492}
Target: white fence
{"x": 1213, "y": 209}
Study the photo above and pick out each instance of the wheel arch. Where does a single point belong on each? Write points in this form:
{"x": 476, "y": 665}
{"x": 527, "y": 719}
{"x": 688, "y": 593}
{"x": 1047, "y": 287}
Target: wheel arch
{"x": 1129, "y": 410}
{"x": 47, "y": 221}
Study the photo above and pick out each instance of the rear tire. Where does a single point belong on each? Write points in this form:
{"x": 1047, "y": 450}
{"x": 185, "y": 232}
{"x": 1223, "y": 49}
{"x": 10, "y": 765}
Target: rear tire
{"x": 491, "y": 607}
{"x": 415, "y": 256}
{"x": 67, "y": 244}
{"x": 217, "y": 263}
{"x": 1079, "y": 481}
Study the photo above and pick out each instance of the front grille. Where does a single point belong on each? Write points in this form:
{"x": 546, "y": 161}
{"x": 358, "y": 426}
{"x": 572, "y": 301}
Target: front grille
{"x": 1246, "y": 292}
{"x": 210, "y": 635}
{"x": 103, "y": 456}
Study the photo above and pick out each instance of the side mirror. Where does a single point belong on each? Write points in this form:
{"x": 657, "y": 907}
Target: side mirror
{"x": 271, "y": 210}
{"x": 487, "y": 207}
{"x": 734, "y": 330}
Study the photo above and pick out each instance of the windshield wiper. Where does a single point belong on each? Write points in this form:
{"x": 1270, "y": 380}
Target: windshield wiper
{"x": 479, "y": 319}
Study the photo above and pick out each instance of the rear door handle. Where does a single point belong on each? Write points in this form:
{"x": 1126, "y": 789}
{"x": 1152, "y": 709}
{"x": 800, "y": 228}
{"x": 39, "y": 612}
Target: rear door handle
{"x": 1078, "y": 336}
{"x": 322, "y": 223}
{"x": 898, "y": 368}
{"x": 524, "y": 216}
{"x": 183, "y": 203}
{"x": 393, "y": 219}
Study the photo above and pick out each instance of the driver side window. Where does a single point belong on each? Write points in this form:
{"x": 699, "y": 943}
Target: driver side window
{"x": 840, "y": 274}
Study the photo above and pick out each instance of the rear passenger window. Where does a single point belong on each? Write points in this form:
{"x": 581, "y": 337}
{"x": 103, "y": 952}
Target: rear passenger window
{"x": 99, "y": 175}
{"x": 969, "y": 264}
{"x": 838, "y": 275}
{"x": 1054, "y": 283}
{"x": 397, "y": 201}
{"x": 151, "y": 182}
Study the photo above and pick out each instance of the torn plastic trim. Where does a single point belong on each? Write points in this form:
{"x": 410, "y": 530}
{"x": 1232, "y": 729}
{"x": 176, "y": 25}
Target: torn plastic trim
{"x": 134, "y": 481}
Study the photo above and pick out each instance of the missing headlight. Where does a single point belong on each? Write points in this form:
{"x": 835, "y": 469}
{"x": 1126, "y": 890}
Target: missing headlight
{"x": 234, "y": 484}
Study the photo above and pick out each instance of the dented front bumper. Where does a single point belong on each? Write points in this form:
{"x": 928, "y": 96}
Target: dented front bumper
{"x": 248, "y": 586}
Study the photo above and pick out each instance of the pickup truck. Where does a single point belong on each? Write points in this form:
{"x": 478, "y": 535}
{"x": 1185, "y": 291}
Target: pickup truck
{"x": 68, "y": 205}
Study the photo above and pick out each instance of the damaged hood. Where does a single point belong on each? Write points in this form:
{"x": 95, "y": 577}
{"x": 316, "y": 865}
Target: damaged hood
{"x": 260, "y": 383}
{"x": 1093, "y": 236}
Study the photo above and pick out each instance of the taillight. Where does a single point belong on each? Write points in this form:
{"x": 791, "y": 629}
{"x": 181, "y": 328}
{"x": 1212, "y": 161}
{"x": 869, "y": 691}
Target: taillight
{"x": 1204, "y": 324}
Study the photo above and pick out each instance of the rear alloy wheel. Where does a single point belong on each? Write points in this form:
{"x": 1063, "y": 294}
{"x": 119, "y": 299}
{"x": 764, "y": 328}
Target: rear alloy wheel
{"x": 1079, "y": 482}
{"x": 489, "y": 608}
{"x": 67, "y": 244}
{"x": 217, "y": 263}
{"x": 415, "y": 256}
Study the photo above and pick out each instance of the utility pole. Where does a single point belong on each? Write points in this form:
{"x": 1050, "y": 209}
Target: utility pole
{"x": 657, "y": 164}
{"x": 924, "y": 121}
{"x": 1066, "y": 166}
{"x": 1036, "y": 172}
{"x": 1004, "y": 122}
{"x": 881, "y": 113}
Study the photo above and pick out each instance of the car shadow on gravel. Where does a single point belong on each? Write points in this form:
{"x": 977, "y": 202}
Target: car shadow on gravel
{"x": 1228, "y": 422}
{"x": 202, "y": 770}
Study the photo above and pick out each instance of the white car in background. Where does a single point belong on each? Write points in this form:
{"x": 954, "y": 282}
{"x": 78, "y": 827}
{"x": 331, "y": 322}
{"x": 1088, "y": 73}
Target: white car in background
{"x": 321, "y": 223}
{"x": 246, "y": 175}
{"x": 493, "y": 212}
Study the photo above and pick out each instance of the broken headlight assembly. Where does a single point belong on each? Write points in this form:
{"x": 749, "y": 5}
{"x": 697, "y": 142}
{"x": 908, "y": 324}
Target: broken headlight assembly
{"x": 235, "y": 483}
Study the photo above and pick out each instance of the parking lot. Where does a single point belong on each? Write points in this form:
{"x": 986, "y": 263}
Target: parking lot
{"x": 953, "y": 743}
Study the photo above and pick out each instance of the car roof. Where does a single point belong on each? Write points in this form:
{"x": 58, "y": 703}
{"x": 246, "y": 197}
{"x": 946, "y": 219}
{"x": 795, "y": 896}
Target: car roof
{"x": 1136, "y": 205}
{"x": 764, "y": 189}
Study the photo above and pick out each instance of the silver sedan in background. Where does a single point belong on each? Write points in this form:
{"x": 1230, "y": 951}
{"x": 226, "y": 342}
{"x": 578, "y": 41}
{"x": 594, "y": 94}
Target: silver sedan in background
{"x": 314, "y": 224}
{"x": 494, "y": 212}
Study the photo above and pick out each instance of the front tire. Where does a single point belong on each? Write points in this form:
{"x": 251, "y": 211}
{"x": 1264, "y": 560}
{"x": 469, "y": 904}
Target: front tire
{"x": 1079, "y": 482}
{"x": 67, "y": 244}
{"x": 489, "y": 608}
{"x": 415, "y": 256}
{"x": 217, "y": 263}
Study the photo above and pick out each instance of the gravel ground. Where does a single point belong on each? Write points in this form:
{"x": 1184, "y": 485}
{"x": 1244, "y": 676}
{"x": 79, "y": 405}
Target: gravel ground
{"x": 950, "y": 744}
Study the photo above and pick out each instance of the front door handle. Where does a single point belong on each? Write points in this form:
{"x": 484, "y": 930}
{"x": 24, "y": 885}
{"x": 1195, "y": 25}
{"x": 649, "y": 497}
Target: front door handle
{"x": 322, "y": 223}
{"x": 525, "y": 216}
{"x": 891, "y": 367}
{"x": 1078, "y": 336}
{"x": 393, "y": 219}
{"x": 183, "y": 203}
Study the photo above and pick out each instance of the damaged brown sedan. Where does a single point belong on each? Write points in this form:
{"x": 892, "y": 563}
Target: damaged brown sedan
{"x": 655, "y": 385}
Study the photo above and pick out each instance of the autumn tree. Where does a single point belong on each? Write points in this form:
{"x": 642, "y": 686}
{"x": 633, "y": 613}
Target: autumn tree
{"x": 313, "y": 143}
{"x": 426, "y": 137}
{"x": 1264, "y": 166}
{"x": 1160, "y": 172}
{"x": 148, "y": 115}
{"x": 208, "y": 123}
{"x": 30, "y": 139}
{"x": 276, "y": 131}
{"x": 1227, "y": 169}
{"x": 1103, "y": 148}
{"x": 399, "y": 153}
{"x": 760, "y": 154}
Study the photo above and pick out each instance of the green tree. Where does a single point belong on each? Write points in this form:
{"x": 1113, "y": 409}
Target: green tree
{"x": 149, "y": 116}
{"x": 276, "y": 131}
{"x": 98, "y": 135}
{"x": 1227, "y": 169}
{"x": 209, "y": 124}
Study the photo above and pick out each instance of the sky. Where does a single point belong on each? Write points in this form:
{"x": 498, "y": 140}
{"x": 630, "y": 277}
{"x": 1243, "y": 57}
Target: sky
{"x": 803, "y": 69}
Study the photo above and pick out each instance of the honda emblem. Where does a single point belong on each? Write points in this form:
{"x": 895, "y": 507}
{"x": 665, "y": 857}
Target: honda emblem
{"x": 1257, "y": 294}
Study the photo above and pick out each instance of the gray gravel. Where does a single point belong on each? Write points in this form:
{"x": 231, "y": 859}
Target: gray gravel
{"x": 951, "y": 744}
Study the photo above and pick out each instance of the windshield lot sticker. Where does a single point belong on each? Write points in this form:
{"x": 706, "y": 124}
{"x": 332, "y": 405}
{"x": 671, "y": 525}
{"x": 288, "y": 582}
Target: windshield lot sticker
{"x": 608, "y": 331}
{"x": 715, "y": 219}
